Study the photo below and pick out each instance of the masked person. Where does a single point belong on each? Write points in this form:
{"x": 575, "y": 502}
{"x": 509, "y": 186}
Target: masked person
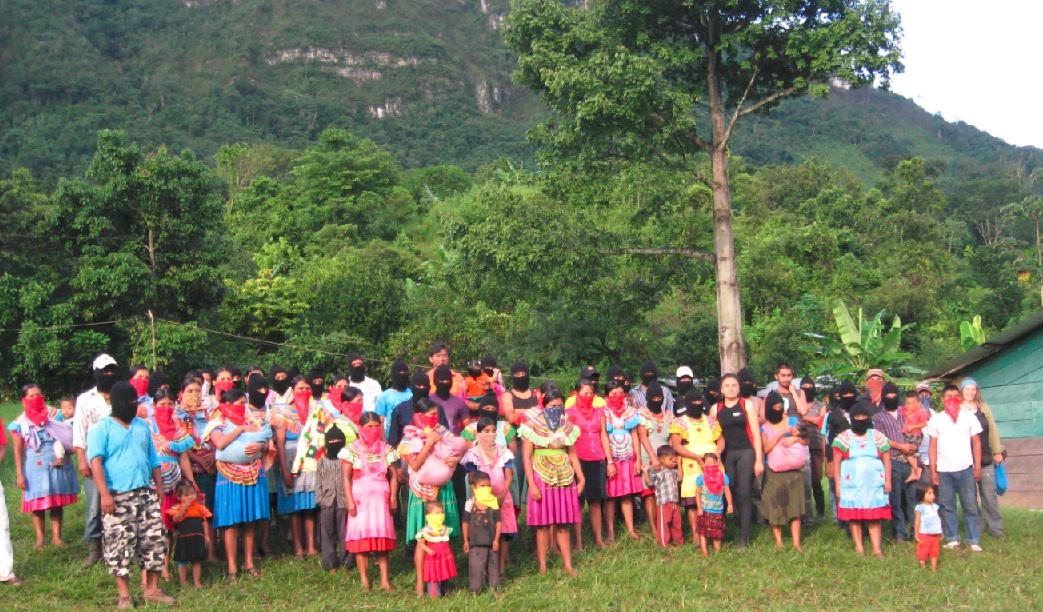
{"x": 841, "y": 399}
{"x": 593, "y": 453}
{"x": 241, "y": 441}
{"x": 713, "y": 392}
{"x": 172, "y": 441}
{"x": 357, "y": 378}
{"x": 139, "y": 379}
{"x": 653, "y": 432}
{"x": 91, "y": 407}
{"x": 874, "y": 390}
{"x": 649, "y": 375}
{"x": 787, "y": 454}
{"x": 333, "y": 507}
{"x": 692, "y": 435}
{"x": 124, "y": 464}
{"x": 555, "y": 478}
{"x": 810, "y": 424}
{"x": 281, "y": 388}
{"x": 402, "y": 415}
{"x": 371, "y": 491}
{"x": 685, "y": 379}
{"x": 437, "y": 356}
{"x": 45, "y": 475}
{"x": 394, "y": 395}
{"x": 862, "y": 474}
{"x": 890, "y": 422}
{"x": 453, "y": 406}
{"x": 295, "y": 495}
{"x": 516, "y": 403}
{"x": 748, "y": 390}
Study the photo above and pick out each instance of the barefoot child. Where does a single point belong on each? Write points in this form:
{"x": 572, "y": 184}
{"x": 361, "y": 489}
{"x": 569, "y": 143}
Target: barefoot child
{"x": 436, "y": 557}
{"x": 927, "y": 527}
{"x": 481, "y": 525}
{"x": 667, "y": 486}
{"x": 713, "y": 490}
{"x": 915, "y": 420}
{"x": 192, "y": 536}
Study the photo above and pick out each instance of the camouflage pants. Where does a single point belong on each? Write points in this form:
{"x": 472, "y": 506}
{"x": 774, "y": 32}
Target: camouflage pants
{"x": 134, "y": 529}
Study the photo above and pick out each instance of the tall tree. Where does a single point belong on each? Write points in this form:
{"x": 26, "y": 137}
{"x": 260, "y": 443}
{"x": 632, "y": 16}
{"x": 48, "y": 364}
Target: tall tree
{"x": 669, "y": 79}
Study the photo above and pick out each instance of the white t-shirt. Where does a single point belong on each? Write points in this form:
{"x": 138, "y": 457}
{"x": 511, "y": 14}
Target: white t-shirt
{"x": 954, "y": 439}
{"x": 370, "y": 392}
{"x": 91, "y": 407}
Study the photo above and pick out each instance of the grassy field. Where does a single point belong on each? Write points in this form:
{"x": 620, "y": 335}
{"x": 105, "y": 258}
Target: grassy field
{"x": 630, "y": 575}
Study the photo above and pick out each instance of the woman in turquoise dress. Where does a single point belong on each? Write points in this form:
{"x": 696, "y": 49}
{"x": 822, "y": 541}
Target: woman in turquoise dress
{"x": 863, "y": 477}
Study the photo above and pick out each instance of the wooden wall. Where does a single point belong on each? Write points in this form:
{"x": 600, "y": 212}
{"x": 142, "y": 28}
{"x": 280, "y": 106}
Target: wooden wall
{"x": 1024, "y": 473}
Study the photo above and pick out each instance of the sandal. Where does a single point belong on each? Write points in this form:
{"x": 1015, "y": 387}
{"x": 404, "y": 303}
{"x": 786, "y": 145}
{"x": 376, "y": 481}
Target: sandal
{"x": 253, "y": 571}
{"x": 125, "y": 603}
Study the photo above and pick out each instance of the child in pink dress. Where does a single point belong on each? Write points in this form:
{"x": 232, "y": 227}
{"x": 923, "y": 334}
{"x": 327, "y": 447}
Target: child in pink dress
{"x": 371, "y": 489}
{"x": 433, "y": 545}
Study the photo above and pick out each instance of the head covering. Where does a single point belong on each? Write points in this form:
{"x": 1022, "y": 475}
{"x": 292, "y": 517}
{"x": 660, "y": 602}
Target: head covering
{"x": 747, "y": 388}
{"x": 807, "y": 384}
{"x": 891, "y": 389}
{"x": 399, "y": 375}
{"x": 124, "y": 401}
{"x": 334, "y": 441}
{"x": 649, "y": 372}
{"x": 774, "y": 407}
{"x": 923, "y": 387}
{"x": 256, "y": 390}
{"x": 952, "y": 407}
{"x": 713, "y": 478}
{"x": 684, "y": 371}
{"x": 443, "y": 381}
{"x": 420, "y": 385}
{"x": 654, "y": 398}
{"x": 316, "y": 388}
{"x": 875, "y": 372}
{"x": 967, "y": 382}
{"x": 157, "y": 381}
{"x": 520, "y": 376}
{"x": 279, "y": 386}
{"x": 589, "y": 372}
{"x": 844, "y": 389}
{"x": 103, "y": 361}
{"x": 693, "y": 405}
{"x": 163, "y": 413}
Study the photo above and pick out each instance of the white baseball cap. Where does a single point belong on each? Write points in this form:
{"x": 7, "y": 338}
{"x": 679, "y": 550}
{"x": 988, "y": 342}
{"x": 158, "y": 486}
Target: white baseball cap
{"x": 684, "y": 371}
{"x": 103, "y": 361}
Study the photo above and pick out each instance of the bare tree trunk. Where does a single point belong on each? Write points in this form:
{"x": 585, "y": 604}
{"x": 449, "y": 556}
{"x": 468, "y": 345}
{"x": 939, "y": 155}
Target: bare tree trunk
{"x": 729, "y": 304}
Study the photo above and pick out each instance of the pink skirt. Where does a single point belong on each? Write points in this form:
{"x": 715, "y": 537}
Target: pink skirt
{"x": 624, "y": 482}
{"x": 557, "y": 505}
{"x": 439, "y": 565}
{"x": 508, "y": 516}
{"x": 48, "y": 502}
{"x": 882, "y": 513}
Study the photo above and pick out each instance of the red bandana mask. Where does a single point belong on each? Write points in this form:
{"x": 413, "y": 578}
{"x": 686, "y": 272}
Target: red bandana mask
{"x": 952, "y": 407}
{"x": 35, "y": 410}
{"x": 425, "y": 421}
{"x": 336, "y": 395}
{"x": 713, "y": 478}
{"x": 352, "y": 410}
{"x": 236, "y": 413}
{"x": 164, "y": 414}
{"x": 585, "y": 402}
{"x": 371, "y": 437}
{"x": 220, "y": 386}
{"x": 302, "y": 401}
{"x": 616, "y": 403}
{"x": 140, "y": 385}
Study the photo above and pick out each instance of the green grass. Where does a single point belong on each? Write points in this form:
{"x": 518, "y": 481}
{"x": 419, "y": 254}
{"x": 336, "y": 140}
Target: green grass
{"x": 630, "y": 575}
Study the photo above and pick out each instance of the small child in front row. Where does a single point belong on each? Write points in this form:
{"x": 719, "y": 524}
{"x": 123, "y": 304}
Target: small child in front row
{"x": 927, "y": 527}
{"x": 481, "y": 530}
{"x": 666, "y": 483}
{"x": 432, "y": 542}
{"x": 192, "y": 536}
{"x": 713, "y": 488}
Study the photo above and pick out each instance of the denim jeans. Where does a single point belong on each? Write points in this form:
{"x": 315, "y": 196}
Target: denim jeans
{"x": 903, "y": 501}
{"x": 92, "y": 509}
{"x": 962, "y": 484}
{"x": 990, "y": 503}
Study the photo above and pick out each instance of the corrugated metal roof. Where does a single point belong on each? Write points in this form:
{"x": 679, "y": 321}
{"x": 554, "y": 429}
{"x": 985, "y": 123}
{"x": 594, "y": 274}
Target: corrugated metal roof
{"x": 989, "y": 348}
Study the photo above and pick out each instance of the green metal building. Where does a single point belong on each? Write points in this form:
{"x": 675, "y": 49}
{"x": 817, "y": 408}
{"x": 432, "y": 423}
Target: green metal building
{"x": 1009, "y": 371}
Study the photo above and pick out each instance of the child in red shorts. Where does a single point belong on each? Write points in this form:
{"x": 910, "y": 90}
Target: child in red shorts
{"x": 928, "y": 527}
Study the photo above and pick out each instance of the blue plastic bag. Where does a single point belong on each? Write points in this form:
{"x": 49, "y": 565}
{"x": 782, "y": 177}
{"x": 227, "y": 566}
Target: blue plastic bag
{"x": 1001, "y": 479}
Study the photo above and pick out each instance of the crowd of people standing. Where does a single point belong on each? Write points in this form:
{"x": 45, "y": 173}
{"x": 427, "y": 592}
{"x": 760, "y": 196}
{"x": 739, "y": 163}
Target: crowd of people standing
{"x": 169, "y": 467}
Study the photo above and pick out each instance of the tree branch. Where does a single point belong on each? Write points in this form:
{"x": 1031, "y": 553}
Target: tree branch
{"x": 766, "y": 101}
{"x": 738, "y": 107}
{"x": 694, "y": 254}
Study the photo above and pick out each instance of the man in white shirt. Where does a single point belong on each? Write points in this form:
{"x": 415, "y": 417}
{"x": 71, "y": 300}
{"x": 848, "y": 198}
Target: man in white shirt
{"x": 956, "y": 467}
{"x": 357, "y": 378}
{"x": 92, "y": 406}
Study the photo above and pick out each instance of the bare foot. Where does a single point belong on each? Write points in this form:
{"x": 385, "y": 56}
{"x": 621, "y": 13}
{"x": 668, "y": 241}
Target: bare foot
{"x": 198, "y": 585}
{"x": 878, "y": 554}
{"x": 58, "y": 543}
{"x": 39, "y": 546}
{"x": 420, "y": 591}
{"x": 706, "y": 553}
{"x": 798, "y": 548}
{"x": 570, "y": 571}
{"x": 601, "y": 544}
{"x": 860, "y": 551}
{"x": 386, "y": 586}
{"x": 543, "y": 570}
{"x": 634, "y": 536}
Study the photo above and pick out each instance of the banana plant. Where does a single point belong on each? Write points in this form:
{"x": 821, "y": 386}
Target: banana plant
{"x": 971, "y": 333}
{"x": 861, "y": 344}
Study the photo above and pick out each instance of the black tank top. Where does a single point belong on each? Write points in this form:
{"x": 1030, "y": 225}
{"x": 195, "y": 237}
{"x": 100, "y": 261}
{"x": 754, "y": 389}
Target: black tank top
{"x": 523, "y": 404}
{"x": 734, "y": 426}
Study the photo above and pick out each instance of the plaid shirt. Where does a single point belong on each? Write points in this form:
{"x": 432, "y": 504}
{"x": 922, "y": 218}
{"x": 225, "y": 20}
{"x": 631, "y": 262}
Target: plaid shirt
{"x": 891, "y": 426}
{"x": 667, "y": 486}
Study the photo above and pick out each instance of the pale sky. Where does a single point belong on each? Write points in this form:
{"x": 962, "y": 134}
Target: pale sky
{"x": 976, "y": 61}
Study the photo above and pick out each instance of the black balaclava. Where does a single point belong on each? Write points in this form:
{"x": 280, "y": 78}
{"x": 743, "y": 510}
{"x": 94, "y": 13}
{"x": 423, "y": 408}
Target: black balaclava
{"x": 693, "y": 404}
{"x": 860, "y": 426}
{"x": 614, "y": 372}
{"x": 443, "y": 381}
{"x": 105, "y": 378}
{"x": 279, "y": 386}
{"x": 654, "y": 397}
{"x": 256, "y": 390}
{"x": 890, "y": 396}
{"x": 399, "y": 375}
{"x": 420, "y": 385}
{"x": 157, "y": 381}
{"x": 773, "y": 408}
{"x": 489, "y": 365}
{"x": 807, "y": 384}
{"x": 683, "y": 385}
{"x": 356, "y": 373}
{"x": 649, "y": 372}
{"x": 846, "y": 395}
{"x": 237, "y": 376}
{"x": 334, "y": 442}
{"x": 713, "y": 392}
{"x": 520, "y": 376}
{"x": 747, "y": 388}
{"x": 474, "y": 368}
{"x": 489, "y": 406}
{"x": 316, "y": 387}
{"x": 124, "y": 401}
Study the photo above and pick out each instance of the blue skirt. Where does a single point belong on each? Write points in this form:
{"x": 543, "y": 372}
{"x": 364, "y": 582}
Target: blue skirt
{"x": 235, "y": 504}
{"x": 301, "y": 497}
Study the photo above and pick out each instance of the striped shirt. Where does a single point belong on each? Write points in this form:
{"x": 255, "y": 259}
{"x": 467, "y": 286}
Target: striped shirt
{"x": 891, "y": 426}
